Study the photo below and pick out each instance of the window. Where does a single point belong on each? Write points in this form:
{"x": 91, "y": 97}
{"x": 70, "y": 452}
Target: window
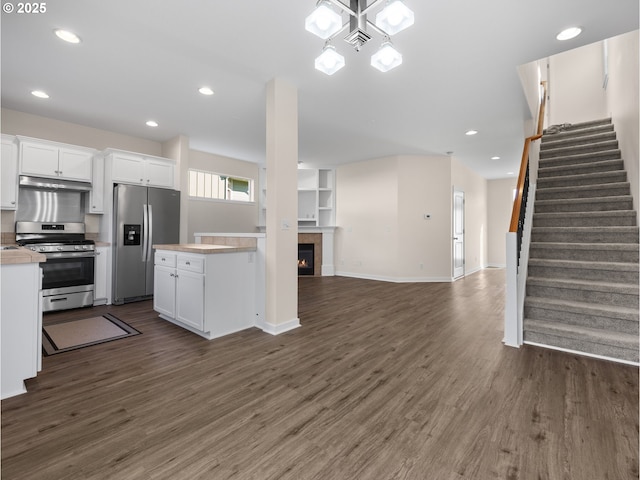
{"x": 216, "y": 186}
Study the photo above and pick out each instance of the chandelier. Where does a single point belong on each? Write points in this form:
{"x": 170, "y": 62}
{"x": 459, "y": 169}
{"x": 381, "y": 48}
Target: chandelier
{"x": 327, "y": 24}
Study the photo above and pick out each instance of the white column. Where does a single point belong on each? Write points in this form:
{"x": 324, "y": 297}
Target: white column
{"x": 282, "y": 208}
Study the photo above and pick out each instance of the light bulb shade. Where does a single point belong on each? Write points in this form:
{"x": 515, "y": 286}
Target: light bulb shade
{"x": 394, "y": 17}
{"x": 329, "y": 61}
{"x": 323, "y": 21}
{"x": 386, "y": 58}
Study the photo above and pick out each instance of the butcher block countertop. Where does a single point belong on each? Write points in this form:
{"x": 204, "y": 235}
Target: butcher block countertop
{"x": 203, "y": 248}
{"x": 12, "y": 255}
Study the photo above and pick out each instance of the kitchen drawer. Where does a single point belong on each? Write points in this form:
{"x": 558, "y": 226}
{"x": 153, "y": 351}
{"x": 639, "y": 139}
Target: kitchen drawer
{"x": 191, "y": 263}
{"x": 164, "y": 258}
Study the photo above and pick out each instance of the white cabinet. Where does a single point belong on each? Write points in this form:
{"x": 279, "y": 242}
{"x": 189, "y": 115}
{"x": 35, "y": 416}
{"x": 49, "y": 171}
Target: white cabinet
{"x": 9, "y": 173}
{"x": 208, "y": 294}
{"x": 21, "y": 326}
{"x": 55, "y": 160}
{"x": 142, "y": 170}
{"x": 96, "y": 197}
{"x": 100, "y": 274}
{"x": 190, "y": 298}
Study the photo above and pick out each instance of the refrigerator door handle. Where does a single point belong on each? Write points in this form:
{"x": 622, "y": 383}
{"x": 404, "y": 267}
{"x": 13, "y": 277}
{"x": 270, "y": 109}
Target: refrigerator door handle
{"x": 150, "y": 237}
{"x": 145, "y": 232}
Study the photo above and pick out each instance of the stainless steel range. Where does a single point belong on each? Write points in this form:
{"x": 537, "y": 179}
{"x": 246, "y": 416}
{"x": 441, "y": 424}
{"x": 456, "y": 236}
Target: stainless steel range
{"x": 68, "y": 273}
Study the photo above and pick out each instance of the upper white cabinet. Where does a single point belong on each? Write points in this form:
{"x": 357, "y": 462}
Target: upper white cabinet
{"x": 141, "y": 170}
{"x": 48, "y": 159}
{"x": 316, "y": 197}
{"x": 96, "y": 197}
{"x": 9, "y": 173}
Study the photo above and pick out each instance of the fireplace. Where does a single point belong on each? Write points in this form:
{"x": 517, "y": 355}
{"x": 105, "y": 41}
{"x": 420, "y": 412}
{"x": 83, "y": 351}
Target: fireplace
{"x": 306, "y": 258}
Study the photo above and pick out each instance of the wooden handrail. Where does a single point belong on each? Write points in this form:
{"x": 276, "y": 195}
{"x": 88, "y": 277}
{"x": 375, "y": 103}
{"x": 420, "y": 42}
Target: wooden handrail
{"x": 524, "y": 163}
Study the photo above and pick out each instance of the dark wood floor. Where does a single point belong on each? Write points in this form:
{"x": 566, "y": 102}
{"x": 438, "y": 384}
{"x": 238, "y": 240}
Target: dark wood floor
{"x": 382, "y": 381}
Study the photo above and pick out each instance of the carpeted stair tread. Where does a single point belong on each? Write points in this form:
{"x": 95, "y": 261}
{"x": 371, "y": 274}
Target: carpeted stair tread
{"x": 616, "y": 311}
{"x": 570, "y": 140}
{"x": 618, "y": 266}
{"x": 590, "y": 285}
{"x": 592, "y": 178}
{"x": 581, "y": 168}
{"x": 584, "y": 339}
{"x": 582, "y": 204}
{"x": 581, "y": 158}
{"x": 599, "y": 191}
{"x": 578, "y": 132}
{"x": 594, "y": 218}
{"x": 593, "y": 234}
{"x": 627, "y": 247}
{"x": 578, "y": 149}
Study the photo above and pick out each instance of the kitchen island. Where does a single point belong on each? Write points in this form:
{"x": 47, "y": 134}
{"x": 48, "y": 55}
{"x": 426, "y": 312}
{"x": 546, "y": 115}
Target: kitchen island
{"x": 208, "y": 289}
{"x": 20, "y": 317}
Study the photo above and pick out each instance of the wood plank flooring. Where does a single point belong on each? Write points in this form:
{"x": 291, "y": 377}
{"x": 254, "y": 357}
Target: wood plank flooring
{"x": 382, "y": 381}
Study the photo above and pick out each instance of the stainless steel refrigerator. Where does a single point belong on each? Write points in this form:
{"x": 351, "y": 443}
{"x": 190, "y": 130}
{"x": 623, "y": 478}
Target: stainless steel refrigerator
{"x": 143, "y": 216}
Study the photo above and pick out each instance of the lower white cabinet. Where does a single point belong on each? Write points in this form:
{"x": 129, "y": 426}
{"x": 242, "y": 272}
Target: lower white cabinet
{"x": 100, "y": 296}
{"x": 20, "y": 325}
{"x": 209, "y": 294}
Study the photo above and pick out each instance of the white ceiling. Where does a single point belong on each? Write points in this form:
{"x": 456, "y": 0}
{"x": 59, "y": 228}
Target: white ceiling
{"x": 145, "y": 59}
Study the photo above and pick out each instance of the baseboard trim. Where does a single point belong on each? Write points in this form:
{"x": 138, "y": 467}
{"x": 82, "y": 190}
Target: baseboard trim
{"x": 280, "y": 327}
{"x": 382, "y": 278}
{"x": 584, "y": 354}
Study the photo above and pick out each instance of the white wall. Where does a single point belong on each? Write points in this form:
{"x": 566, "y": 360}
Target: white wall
{"x": 380, "y": 210}
{"x": 366, "y": 244}
{"x": 623, "y": 102}
{"x": 206, "y": 216}
{"x": 499, "y": 206}
{"x": 575, "y": 85}
{"x": 424, "y": 246}
{"x": 19, "y": 123}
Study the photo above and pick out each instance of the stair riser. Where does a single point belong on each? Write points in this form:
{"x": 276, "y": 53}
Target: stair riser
{"x": 612, "y": 276}
{"x": 581, "y": 169}
{"x": 583, "y": 295}
{"x": 585, "y": 255}
{"x": 598, "y": 179}
{"x": 560, "y": 194}
{"x": 584, "y": 237}
{"x": 630, "y": 355}
{"x": 593, "y": 206}
{"x": 579, "y": 150}
{"x": 585, "y": 221}
{"x": 583, "y": 320}
{"x": 580, "y": 159}
{"x": 573, "y": 140}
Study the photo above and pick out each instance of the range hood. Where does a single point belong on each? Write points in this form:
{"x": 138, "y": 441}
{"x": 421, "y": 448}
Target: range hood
{"x": 54, "y": 184}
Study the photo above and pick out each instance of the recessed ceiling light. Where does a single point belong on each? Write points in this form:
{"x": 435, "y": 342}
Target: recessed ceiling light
{"x": 510, "y": 173}
{"x": 67, "y": 36}
{"x": 40, "y": 94}
{"x": 205, "y": 91}
{"x": 471, "y": 132}
{"x": 495, "y": 158}
{"x": 569, "y": 33}
{"x": 152, "y": 123}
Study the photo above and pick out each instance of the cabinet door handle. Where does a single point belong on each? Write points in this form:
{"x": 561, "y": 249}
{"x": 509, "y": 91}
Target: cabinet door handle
{"x": 187, "y": 263}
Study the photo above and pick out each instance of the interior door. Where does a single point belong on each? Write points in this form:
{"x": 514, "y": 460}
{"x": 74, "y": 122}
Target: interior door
{"x": 458, "y": 234}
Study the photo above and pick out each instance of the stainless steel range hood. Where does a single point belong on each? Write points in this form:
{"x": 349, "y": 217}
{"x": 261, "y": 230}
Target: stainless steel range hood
{"x": 54, "y": 184}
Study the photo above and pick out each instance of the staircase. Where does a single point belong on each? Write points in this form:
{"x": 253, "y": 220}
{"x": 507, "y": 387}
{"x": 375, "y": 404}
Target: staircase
{"x": 582, "y": 285}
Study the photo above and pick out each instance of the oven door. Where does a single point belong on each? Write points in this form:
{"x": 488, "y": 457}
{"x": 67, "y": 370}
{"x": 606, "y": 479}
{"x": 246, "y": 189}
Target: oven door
{"x": 67, "y": 280}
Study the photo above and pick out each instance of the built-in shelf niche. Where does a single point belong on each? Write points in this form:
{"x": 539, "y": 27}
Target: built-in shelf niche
{"x": 316, "y": 197}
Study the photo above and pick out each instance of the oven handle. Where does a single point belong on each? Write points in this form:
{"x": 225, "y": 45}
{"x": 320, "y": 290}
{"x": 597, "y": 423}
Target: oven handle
{"x": 70, "y": 254}
{"x": 145, "y": 232}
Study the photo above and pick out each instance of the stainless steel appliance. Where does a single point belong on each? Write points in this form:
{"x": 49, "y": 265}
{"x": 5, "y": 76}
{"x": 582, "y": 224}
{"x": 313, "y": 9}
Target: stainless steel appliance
{"x": 142, "y": 216}
{"x": 68, "y": 273}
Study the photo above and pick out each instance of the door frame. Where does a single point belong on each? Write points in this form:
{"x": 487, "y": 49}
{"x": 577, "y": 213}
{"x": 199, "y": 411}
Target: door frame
{"x": 457, "y": 234}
